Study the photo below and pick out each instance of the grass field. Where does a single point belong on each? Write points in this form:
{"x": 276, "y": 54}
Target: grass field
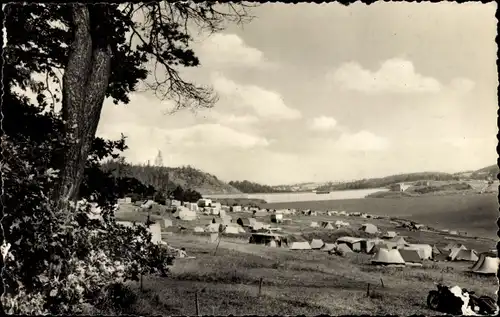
{"x": 308, "y": 282}
{"x": 477, "y": 214}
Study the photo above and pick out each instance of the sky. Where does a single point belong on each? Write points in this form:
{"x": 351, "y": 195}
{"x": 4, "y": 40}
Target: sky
{"x": 316, "y": 93}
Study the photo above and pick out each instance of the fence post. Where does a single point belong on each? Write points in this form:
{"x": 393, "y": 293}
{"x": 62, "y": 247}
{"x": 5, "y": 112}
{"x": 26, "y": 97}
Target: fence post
{"x": 260, "y": 286}
{"x": 368, "y": 290}
{"x": 197, "y": 304}
{"x": 381, "y": 280}
{"x": 141, "y": 283}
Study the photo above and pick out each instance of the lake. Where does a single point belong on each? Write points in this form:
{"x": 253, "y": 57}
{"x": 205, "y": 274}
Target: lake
{"x": 307, "y": 196}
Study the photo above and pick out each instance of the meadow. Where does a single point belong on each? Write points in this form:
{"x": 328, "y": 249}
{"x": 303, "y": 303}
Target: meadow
{"x": 310, "y": 282}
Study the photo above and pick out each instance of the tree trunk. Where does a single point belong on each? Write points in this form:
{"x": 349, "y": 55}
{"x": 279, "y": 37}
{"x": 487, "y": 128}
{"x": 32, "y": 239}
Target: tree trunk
{"x": 85, "y": 82}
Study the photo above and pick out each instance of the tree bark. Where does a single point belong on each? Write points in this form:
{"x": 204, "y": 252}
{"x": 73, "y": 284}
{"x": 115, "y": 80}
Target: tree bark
{"x": 85, "y": 82}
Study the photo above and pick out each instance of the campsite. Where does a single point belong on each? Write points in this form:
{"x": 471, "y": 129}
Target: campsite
{"x": 289, "y": 266}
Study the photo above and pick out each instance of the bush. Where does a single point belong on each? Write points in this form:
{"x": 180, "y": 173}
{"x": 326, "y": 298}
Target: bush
{"x": 57, "y": 260}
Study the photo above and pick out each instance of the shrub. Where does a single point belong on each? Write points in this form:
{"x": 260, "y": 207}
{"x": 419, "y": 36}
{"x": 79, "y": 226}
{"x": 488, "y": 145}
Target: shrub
{"x": 56, "y": 260}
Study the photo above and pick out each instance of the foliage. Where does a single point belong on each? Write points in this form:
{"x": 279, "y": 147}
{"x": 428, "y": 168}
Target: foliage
{"x": 165, "y": 179}
{"x": 250, "y": 187}
{"x": 187, "y": 195}
{"x": 60, "y": 259}
{"x": 55, "y": 253}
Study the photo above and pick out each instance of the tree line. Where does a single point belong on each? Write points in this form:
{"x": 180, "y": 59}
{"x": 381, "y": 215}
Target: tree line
{"x": 145, "y": 181}
{"x": 251, "y": 187}
{"x": 389, "y": 180}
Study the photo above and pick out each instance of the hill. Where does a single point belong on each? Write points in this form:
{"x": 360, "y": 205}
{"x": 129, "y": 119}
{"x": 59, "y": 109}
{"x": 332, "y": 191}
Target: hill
{"x": 389, "y": 180}
{"x": 160, "y": 177}
{"x": 248, "y": 187}
{"x": 486, "y": 173}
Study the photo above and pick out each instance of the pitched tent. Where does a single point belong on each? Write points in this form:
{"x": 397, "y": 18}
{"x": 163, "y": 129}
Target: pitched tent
{"x": 399, "y": 241}
{"x": 198, "y": 229}
{"x": 277, "y": 218}
{"x": 272, "y": 244}
{"x": 343, "y": 249}
{"x": 369, "y": 228}
{"x": 328, "y": 247}
{"x": 467, "y": 255}
{"x": 155, "y": 230}
{"x": 424, "y": 250}
{"x": 300, "y": 246}
{"x": 314, "y": 224}
{"x": 317, "y": 244}
{"x": 411, "y": 257}
{"x": 377, "y": 247}
{"x": 327, "y": 225}
{"x": 227, "y": 220}
{"x": 213, "y": 227}
{"x": 390, "y": 234}
{"x": 487, "y": 264}
{"x": 355, "y": 244}
{"x": 370, "y": 243}
{"x": 244, "y": 222}
{"x": 454, "y": 252}
{"x": 388, "y": 257}
{"x": 185, "y": 214}
{"x": 232, "y": 229}
{"x": 435, "y": 250}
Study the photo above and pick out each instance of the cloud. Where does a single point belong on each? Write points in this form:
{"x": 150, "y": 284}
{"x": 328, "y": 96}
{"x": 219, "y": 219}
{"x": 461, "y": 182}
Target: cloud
{"x": 323, "y": 123}
{"x": 265, "y": 103}
{"x": 213, "y": 135}
{"x": 394, "y": 76}
{"x": 361, "y": 141}
{"x": 229, "y": 50}
{"x": 226, "y": 119}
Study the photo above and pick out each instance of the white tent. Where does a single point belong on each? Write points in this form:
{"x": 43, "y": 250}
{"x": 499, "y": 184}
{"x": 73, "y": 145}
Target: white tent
{"x": 390, "y": 234}
{"x": 147, "y": 204}
{"x": 213, "y": 227}
{"x": 454, "y": 252}
{"x": 340, "y": 223}
{"x": 388, "y": 257}
{"x": 233, "y": 229}
{"x": 185, "y": 214}
{"x": 317, "y": 244}
{"x": 155, "y": 230}
{"x": 204, "y": 202}
{"x": 198, "y": 229}
{"x": 300, "y": 246}
{"x": 314, "y": 224}
{"x": 328, "y": 247}
{"x": 487, "y": 264}
{"x": 236, "y": 209}
{"x": 424, "y": 250}
{"x": 466, "y": 255}
{"x": 369, "y": 228}
{"x": 271, "y": 244}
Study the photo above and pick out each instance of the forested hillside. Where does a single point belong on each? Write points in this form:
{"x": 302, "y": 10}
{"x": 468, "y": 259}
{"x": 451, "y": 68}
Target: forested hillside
{"x": 157, "y": 176}
{"x": 250, "y": 187}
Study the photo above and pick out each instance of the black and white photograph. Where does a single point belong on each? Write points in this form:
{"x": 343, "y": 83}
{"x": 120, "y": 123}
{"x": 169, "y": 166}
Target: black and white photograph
{"x": 212, "y": 158}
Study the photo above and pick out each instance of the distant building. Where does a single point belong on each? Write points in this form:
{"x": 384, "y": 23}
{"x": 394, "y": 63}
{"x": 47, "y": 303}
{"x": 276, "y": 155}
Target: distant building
{"x": 401, "y": 187}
